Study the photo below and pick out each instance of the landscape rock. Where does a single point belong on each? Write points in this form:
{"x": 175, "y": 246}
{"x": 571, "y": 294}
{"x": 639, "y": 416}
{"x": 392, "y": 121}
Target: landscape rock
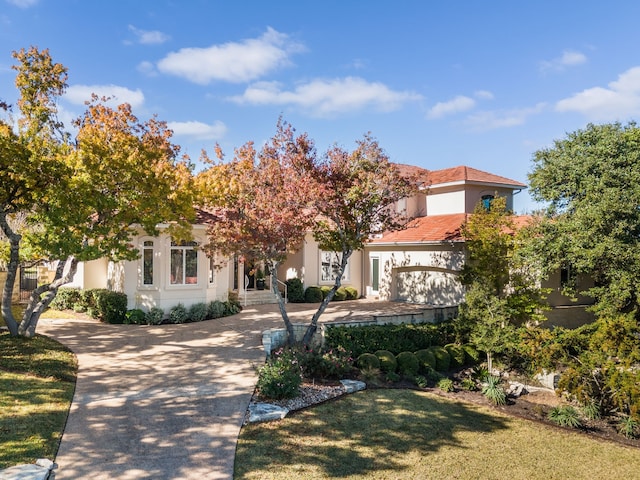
{"x": 351, "y": 386}
{"x": 38, "y": 471}
{"x": 263, "y": 412}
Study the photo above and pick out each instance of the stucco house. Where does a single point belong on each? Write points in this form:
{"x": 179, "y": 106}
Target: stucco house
{"x": 419, "y": 264}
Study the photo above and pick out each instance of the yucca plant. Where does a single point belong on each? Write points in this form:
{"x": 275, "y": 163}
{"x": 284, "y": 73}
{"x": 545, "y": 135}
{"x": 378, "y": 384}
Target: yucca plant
{"x": 592, "y": 410}
{"x": 629, "y": 426}
{"x": 565, "y": 416}
{"x": 493, "y": 391}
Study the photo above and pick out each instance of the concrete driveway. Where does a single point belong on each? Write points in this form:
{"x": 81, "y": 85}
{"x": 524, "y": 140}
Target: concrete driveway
{"x": 167, "y": 402}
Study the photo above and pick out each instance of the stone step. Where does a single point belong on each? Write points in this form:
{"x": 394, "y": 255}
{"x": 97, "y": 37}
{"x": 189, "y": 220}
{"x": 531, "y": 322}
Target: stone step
{"x": 257, "y": 297}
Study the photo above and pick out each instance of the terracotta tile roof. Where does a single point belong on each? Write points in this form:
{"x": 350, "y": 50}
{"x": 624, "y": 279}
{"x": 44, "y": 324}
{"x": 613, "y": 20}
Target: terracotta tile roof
{"x": 434, "y": 228}
{"x": 469, "y": 174}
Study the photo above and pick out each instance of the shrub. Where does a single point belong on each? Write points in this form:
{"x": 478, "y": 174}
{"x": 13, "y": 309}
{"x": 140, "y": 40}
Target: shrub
{"x": 154, "y": 316}
{"x": 231, "y": 307}
{"x": 65, "y": 299}
{"x": 340, "y": 295}
{"x": 79, "y": 307}
{"x": 178, "y": 314}
{"x": 368, "y": 360}
{"x": 434, "y": 377}
{"x": 388, "y": 361}
{"x": 565, "y": 416}
{"x": 295, "y": 290}
{"x": 370, "y": 375}
{"x": 469, "y": 384}
{"x": 471, "y": 354}
{"x": 279, "y": 378}
{"x": 325, "y": 363}
{"x": 392, "y": 377}
{"x": 352, "y": 293}
{"x": 198, "y": 312}
{"x": 420, "y": 381}
{"x": 395, "y": 338}
{"x": 426, "y": 360}
{"x": 629, "y": 426}
{"x": 456, "y": 354}
{"x": 408, "y": 364}
{"x": 445, "y": 384}
{"x": 313, "y": 295}
{"x": 215, "y": 309}
{"x": 135, "y": 316}
{"x": 325, "y": 289}
{"x": 591, "y": 410}
{"x": 493, "y": 391}
{"x": 443, "y": 359}
{"x": 110, "y": 307}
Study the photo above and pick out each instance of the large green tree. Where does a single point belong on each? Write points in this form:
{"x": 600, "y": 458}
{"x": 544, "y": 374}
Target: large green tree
{"x": 590, "y": 181}
{"x": 85, "y": 198}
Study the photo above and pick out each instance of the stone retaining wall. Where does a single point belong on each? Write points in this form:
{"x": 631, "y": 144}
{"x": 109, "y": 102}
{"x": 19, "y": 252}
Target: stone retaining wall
{"x": 275, "y": 338}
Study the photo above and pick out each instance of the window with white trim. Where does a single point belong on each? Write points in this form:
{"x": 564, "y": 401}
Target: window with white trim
{"x": 147, "y": 263}
{"x": 212, "y": 271}
{"x": 329, "y": 267}
{"x": 184, "y": 263}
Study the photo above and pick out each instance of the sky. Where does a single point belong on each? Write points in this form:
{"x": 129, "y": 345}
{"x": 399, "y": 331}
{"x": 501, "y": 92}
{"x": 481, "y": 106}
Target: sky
{"x": 439, "y": 84}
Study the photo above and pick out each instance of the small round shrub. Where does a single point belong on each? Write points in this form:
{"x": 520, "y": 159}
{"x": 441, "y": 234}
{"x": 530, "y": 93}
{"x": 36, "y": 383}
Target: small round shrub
{"x": 408, "y": 364}
{"x": 325, "y": 290}
{"x": 279, "y": 378}
{"x": 471, "y": 354}
{"x": 456, "y": 352}
{"x": 65, "y": 298}
{"x": 352, "y": 293}
{"x": 388, "y": 362}
{"x": 135, "y": 316}
{"x": 340, "y": 295}
{"x": 198, "y": 312}
{"x": 443, "y": 359}
{"x": 178, "y": 314}
{"x": 445, "y": 384}
{"x": 469, "y": 384}
{"x": 154, "y": 316}
{"x": 313, "y": 295}
{"x": 426, "y": 360}
{"x": 368, "y": 361}
{"x": 565, "y": 416}
{"x": 420, "y": 381}
{"x": 295, "y": 290}
{"x": 392, "y": 377}
{"x": 215, "y": 309}
{"x": 231, "y": 307}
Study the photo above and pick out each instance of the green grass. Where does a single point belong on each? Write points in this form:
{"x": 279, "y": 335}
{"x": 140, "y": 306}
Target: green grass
{"x": 37, "y": 380}
{"x": 406, "y": 434}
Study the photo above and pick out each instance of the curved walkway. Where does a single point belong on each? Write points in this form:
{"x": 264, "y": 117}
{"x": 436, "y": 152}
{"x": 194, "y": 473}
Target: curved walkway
{"x": 167, "y": 402}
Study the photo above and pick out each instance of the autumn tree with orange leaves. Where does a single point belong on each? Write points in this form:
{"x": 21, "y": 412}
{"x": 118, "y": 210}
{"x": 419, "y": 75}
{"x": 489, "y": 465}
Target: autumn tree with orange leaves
{"x": 84, "y": 198}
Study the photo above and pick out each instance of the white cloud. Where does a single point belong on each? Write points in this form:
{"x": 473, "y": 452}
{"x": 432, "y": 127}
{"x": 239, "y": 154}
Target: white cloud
{"x": 620, "y": 101}
{"x": 79, "y": 94}
{"x": 149, "y": 37}
{"x": 325, "y": 98}
{"x": 569, "y": 58}
{"x": 491, "y": 120}
{"x": 232, "y": 62}
{"x": 483, "y": 95}
{"x": 147, "y": 68}
{"x": 23, "y": 3}
{"x": 450, "y": 107}
{"x": 199, "y": 130}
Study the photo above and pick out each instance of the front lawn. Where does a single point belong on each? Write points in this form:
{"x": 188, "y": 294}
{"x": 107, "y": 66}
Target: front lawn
{"x": 37, "y": 381}
{"x": 407, "y": 434}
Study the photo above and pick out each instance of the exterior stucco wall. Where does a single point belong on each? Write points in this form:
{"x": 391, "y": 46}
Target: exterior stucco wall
{"x": 445, "y": 201}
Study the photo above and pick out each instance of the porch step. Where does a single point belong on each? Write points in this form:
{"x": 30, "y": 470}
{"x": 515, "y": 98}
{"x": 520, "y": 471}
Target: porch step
{"x": 257, "y": 297}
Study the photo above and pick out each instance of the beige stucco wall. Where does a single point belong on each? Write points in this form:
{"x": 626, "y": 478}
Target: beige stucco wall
{"x": 445, "y": 201}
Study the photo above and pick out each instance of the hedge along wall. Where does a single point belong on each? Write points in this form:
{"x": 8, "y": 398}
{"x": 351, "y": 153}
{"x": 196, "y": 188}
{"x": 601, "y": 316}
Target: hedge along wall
{"x": 277, "y": 337}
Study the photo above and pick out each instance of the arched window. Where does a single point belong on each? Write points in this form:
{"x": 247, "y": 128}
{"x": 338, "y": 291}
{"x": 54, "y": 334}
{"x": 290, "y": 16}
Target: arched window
{"x": 184, "y": 263}
{"x": 486, "y": 201}
{"x": 147, "y": 263}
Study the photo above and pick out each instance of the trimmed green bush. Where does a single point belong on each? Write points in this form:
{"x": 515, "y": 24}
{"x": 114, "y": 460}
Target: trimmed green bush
{"x": 279, "y": 378}
{"x": 231, "y": 307}
{"x": 313, "y": 295}
{"x": 471, "y": 354}
{"x": 426, "y": 360}
{"x": 295, "y": 290}
{"x": 340, "y": 295}
{"x": 443, "y": 359}
{"x": 368, "y": 360}
{"x": 456, "y": 352}
{"x": 388, "y": 362}
{"x": 178, "y": 314}
{"x": 445, "y": 384}
{"x": 65, "y": 299}
{"x": 352, "y": 293}
{"x": 325, "y": 289}
{"x": 408, "y": 364}
{"x": 215, "y": 309}
{"x": 198, "y": 312}
{"x": 110, "y": 307}
{"x": 135, "y": 317}
{"x": 154, "y": 316}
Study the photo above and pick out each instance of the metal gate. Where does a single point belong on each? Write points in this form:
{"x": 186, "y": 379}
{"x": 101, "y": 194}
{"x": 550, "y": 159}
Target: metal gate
{"x": 28, "y": 281}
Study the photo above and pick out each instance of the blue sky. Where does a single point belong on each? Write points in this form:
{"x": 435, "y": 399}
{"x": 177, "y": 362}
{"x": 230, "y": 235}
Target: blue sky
{"x": 439, "y": 84}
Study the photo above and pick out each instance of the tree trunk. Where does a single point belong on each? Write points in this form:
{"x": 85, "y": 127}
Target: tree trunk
{"x": 291, "y": 337}
{"x": 12, "y": 271}
{"x": 42, "y": 296}
{"x": 313, "y": 326}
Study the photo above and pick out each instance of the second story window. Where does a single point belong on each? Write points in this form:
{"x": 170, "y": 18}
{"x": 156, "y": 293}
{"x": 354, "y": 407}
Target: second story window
{"x": 486, "y": 201}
